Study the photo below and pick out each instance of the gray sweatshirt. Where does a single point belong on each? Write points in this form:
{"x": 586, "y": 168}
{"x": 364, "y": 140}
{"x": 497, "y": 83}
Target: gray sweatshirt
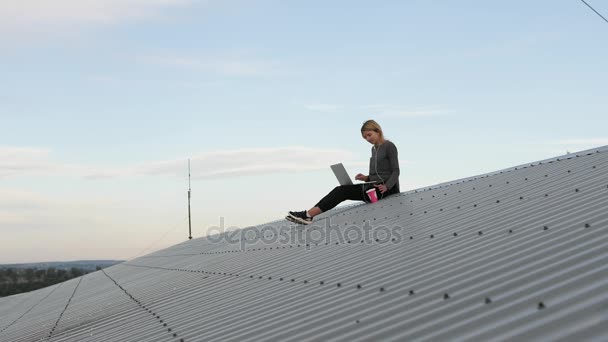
{"x": 387, "y": 171}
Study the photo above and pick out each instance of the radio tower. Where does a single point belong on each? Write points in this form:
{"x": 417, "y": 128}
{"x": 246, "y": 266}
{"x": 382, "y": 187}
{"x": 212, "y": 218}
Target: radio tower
{"x": 189, "y": 190}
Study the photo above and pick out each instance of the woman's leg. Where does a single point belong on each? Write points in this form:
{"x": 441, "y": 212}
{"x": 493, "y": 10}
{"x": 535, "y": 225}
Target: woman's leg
{"x": 345, "y": 192}
{"x": 338, "y": 195}
{"x": 314, "y": 211}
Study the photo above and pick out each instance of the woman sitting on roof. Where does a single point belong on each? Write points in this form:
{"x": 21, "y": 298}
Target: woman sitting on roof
{"x": 383, "y": 170}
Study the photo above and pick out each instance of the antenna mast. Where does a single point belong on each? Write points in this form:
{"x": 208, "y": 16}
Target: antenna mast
{"x": 189, "y": 190}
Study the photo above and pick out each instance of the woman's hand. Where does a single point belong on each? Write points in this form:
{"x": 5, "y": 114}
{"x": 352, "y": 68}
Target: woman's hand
{"x": 382, "y": 188}
{"x": 361, "y": 177}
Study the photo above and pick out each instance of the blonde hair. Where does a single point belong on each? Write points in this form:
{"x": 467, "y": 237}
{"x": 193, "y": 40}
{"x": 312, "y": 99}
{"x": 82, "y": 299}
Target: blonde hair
{"x": 371, "y": 125}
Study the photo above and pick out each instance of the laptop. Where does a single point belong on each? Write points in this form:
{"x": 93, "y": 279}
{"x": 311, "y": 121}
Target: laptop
{"x": 343, "y": 176}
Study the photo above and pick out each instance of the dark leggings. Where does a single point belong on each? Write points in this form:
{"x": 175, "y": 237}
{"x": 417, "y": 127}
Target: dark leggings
{"x": 355, "y": 192}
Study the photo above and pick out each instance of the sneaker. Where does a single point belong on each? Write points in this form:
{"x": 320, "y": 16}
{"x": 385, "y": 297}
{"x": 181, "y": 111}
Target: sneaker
{"x": 299, "y": 217}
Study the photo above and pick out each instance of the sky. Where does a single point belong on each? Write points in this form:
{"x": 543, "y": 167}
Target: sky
{"x": 102, "y": 102}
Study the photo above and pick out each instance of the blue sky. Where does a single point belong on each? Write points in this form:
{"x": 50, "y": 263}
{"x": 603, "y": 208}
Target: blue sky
{"x": 103, "y": 101}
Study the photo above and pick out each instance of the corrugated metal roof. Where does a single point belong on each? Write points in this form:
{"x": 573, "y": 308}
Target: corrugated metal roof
{"x": 520, "y": 254}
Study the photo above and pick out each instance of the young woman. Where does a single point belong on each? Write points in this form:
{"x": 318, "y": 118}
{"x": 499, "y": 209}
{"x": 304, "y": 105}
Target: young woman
{"x": 383, "y": 169}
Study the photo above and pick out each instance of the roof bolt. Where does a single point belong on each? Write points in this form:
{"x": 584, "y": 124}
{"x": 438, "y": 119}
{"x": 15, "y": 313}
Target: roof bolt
{"x": 446, "y": 296}
{"x": 480, "y": 232}
{"x": 321, "y": 282}
{"x": 455, "y": 234}
{"x": 575, "y": 190}
{"x": 587, "y": 225}
{"x": 382, "y": 289}
{"x": 338, "y": 285}
{"x": 541, "y": 305}
{"x": 488, "y": 300}
{"x": 432, "y": 236}
{"x": 411, "y": 292}
{"x": 546, "y": 228}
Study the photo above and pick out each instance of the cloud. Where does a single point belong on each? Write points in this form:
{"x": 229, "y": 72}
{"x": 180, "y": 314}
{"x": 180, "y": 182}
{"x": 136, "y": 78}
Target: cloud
{"x": 247, "y": 162}
{"x": 13, "y": 200}
{"x": 224, "y": 66}
{"x": 15, "y": 161}
{"x": 42, "y": 16}
{"x": 19, "y": 160}
{"x": 19, "y": 209}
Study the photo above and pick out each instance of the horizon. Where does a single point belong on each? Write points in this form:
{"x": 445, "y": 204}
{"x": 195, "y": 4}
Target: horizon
{"x": 103, "y": 104}
{"x": 58, "y": 262}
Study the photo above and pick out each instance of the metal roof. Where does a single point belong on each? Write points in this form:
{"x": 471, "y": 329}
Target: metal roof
{"x": 517, "y": 254}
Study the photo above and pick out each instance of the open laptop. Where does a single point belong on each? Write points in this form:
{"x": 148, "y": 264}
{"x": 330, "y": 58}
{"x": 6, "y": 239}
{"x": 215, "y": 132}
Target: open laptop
{"x": 343, "y": 176}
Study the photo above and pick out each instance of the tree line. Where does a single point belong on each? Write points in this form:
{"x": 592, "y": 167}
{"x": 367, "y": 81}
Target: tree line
{"x": 19, "y": 280}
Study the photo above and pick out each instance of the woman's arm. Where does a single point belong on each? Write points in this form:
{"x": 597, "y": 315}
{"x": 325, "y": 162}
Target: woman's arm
{"x": 362, "y": 177}
{"x": 393, "y": 159}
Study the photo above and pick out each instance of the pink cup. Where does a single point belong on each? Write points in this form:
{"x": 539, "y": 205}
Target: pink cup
{"x": 371, "y": 193}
